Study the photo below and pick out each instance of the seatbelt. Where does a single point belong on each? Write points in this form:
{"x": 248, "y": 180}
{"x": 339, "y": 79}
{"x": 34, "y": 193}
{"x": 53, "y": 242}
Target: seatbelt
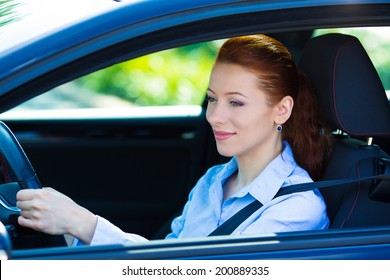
{"x": 233, "y": 222}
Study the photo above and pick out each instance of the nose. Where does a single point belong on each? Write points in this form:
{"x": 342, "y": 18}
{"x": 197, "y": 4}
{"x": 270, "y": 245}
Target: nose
{"x": 216, "y": 113}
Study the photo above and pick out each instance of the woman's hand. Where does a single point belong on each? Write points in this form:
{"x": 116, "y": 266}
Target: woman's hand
{"x": 49, "y": 211}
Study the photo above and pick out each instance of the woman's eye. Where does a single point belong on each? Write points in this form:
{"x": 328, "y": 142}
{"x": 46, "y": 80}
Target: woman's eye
{"x": 210, "y": 99}
{"x": 236, "y": 103}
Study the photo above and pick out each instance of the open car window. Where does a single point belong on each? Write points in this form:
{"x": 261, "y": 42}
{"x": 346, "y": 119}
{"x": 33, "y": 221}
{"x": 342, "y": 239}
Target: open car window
{"x": 176, "y": 78}
{"x": 142, "y": 86}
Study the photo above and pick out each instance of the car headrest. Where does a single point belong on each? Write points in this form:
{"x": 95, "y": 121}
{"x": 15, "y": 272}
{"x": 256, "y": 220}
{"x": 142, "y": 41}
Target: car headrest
{"x": 349, "y": 88}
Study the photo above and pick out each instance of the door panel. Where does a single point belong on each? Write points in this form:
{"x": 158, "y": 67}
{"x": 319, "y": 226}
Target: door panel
{"x": 363, "y": 244}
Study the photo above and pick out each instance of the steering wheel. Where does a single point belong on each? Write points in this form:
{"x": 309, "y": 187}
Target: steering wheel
{"x": 19, "y": 174}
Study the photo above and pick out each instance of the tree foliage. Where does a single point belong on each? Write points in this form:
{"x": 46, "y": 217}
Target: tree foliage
{"x": 7, "y": 11}
{"x": 171, "y": 77}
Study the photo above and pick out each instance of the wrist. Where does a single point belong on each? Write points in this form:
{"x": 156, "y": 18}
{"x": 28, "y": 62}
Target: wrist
{"x": 84, "y": 226}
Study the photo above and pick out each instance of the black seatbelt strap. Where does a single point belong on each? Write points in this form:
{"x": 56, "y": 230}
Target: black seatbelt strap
{"x": 233, "y": 222}
{"x": 329, "y": 183}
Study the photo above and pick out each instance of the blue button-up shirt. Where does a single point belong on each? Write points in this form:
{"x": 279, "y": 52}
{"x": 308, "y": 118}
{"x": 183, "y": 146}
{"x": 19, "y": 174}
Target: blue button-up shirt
{"x": 206, "y": 209}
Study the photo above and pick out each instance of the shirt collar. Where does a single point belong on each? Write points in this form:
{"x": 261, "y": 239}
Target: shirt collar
{"x": 265, "y": 186}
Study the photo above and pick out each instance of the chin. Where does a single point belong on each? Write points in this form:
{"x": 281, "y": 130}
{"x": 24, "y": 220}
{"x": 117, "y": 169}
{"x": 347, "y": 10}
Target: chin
{"x": 225, "y": 152}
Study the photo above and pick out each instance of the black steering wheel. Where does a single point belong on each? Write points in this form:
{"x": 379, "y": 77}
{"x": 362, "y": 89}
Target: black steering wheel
{"x": 18, "y": 173}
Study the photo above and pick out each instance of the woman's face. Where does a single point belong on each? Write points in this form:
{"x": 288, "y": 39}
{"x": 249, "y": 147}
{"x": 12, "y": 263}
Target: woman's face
{"x": 242, "y": 120}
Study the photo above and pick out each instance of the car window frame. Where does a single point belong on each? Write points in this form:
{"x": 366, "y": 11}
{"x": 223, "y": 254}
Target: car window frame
{"x": 34, "y": 88}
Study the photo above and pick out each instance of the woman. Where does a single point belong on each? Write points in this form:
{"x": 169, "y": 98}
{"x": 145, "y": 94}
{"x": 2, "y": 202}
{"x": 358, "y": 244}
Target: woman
{"x": 264, "y": 115}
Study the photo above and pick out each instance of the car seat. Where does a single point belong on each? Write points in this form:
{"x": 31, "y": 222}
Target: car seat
{"x": 356, "y": 106}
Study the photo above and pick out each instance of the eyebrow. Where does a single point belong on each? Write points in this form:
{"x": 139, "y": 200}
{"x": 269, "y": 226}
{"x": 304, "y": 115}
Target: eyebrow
{"x": 228, "y": 93}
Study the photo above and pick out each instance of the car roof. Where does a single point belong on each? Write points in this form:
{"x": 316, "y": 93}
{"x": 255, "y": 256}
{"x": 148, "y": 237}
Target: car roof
{"x": 32, "y": 19}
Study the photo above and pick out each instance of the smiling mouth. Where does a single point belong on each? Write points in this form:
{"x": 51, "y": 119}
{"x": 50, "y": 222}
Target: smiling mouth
{"x": 222, "y": 135}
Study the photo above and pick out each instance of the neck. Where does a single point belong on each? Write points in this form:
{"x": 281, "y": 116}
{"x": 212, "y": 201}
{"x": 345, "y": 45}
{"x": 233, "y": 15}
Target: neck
{"x": 250, "y": 166}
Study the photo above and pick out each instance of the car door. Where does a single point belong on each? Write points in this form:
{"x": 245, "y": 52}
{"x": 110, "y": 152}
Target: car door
{"x": 131, "y": 163}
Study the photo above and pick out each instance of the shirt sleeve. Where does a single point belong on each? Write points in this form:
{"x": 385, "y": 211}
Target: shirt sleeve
{"x": 107, "y": 233}
{"x": 177, "y": 224}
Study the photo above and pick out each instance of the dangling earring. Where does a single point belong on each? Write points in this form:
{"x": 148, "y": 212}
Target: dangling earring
{"x": 279, "y": 128}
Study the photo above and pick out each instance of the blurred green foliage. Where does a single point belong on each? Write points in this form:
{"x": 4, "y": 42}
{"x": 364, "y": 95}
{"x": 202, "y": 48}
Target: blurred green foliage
{"x": 172, "y": 77}
{"x": 7, "y": 11}
{"x": 376, "y": 41}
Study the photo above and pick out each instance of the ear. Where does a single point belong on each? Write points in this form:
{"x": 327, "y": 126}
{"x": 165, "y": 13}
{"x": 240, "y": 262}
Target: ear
{"x": 283, "y": 109}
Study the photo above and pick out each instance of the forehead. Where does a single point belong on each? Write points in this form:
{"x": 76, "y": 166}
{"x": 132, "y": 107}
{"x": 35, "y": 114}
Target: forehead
{"x": 228, "y": 77}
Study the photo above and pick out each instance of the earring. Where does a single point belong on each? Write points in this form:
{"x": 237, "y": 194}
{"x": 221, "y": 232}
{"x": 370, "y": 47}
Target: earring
{"x": 279, "y": 128}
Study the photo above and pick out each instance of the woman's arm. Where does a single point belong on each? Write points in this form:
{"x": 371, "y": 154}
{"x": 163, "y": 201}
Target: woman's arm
{"x": 50, "y": 211}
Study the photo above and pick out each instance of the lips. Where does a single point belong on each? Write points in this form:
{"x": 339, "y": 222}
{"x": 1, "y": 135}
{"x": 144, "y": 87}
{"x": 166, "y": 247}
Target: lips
{"x": 222, "y": 135}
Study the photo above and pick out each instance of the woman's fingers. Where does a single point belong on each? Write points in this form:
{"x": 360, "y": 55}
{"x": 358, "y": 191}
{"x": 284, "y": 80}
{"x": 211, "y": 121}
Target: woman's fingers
{"x": 26, "y": 194}
{"x": 26, "y": 222}
{"x": 24, "y": 205}
{"x": 52, "y": 212}
{"x": 31, "y": 201}
{"x": 39, "y": 209}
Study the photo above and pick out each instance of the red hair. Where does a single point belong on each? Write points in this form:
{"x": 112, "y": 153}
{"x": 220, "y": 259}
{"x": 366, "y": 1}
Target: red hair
{"x": 306, "y": 130}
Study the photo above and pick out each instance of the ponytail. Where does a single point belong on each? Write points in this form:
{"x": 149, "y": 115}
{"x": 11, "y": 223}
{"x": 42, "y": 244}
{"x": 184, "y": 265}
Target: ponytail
{"x": 307, "y": 132}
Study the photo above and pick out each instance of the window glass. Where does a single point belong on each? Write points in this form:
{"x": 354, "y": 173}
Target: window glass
{"x": 376, "y": 41}
{"x": 175, "y": 77}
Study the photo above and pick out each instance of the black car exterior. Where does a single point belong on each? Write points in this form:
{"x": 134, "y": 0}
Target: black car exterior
{"x": 137, "y": 28}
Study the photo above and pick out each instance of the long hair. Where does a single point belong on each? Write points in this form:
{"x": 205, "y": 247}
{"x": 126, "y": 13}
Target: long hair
{"x": 306, "y": 130}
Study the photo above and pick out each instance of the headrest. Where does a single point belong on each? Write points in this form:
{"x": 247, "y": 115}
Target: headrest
{"x": 349, "y": 88}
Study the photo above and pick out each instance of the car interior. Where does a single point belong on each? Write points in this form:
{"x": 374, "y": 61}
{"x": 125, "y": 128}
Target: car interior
{"x": 138, "y": 172}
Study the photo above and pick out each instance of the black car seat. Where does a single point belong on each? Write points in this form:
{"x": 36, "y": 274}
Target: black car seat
{"x": 356, "y": 106}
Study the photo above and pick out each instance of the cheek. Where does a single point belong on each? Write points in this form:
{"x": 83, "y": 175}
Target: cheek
{"x": 208, "y": 113}
{"x": 259, "y": 121}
